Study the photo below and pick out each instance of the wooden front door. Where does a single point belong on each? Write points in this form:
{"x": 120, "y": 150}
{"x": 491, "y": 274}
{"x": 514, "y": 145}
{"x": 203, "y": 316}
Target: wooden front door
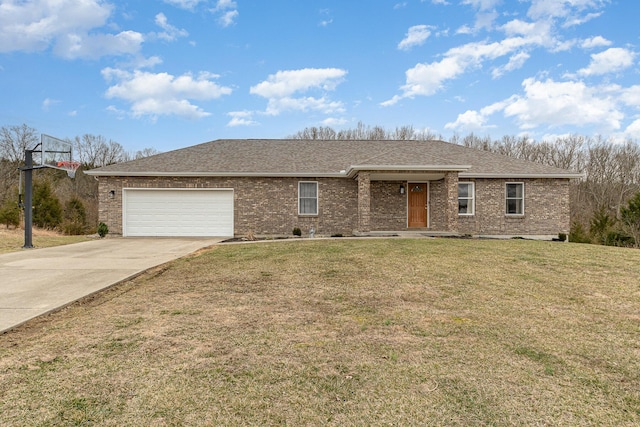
{"x": 417, "y": 205}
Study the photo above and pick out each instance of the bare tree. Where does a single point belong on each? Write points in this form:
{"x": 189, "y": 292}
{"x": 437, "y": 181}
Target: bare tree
{"x": 145, "y": 152}
{"x": 14, "y": 140}
{"x": 96, "y": 150}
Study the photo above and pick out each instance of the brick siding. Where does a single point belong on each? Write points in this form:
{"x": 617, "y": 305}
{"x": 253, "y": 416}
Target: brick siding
{"x": 269, "y": 206}
{"x": 546, "y": 208}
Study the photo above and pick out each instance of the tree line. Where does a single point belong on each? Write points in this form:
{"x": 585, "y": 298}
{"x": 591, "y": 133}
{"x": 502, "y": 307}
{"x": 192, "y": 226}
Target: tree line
{"x": 70, "y": 205}
{"x": 605, "y": 204}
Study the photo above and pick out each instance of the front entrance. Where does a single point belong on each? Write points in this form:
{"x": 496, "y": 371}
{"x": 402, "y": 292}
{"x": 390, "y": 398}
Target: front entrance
{"x": 417, "y": 210}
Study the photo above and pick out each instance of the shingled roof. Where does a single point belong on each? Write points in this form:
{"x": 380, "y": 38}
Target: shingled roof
{"x": 327, "y": 158}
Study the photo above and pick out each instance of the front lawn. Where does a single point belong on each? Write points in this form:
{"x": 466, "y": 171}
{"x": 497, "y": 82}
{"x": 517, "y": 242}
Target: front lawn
{"x": 438, "y": 332}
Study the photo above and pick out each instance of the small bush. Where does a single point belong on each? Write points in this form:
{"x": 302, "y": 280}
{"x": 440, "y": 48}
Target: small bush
{"x": 10, "y": 214}
{"x": 577, "y": 234}
{"x": 102, "y": 229}
{"x": 562, "y": 237}
{"x": 297, "y": 232}
{"x": 618, "y": 238}
{"x": 75, "y": 218}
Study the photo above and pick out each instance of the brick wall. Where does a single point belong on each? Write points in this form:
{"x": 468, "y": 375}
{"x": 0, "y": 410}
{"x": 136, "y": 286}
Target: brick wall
{"x": 262, "y": 206}
{"x": 269, "y": 206}
{"x": 388, "y": 206}
{"x": 546, "y": 208}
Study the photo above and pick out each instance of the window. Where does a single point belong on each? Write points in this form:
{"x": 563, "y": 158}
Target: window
{"x": 307, "y": 198}
{"x": 466, "y": 194}
{"x": 515, "y": 198}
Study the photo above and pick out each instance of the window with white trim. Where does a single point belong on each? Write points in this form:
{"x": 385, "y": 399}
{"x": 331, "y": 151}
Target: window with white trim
{"x": 307, "y": 198}
{"x": 466, "y": 198}
{"x": 514, "y": 198}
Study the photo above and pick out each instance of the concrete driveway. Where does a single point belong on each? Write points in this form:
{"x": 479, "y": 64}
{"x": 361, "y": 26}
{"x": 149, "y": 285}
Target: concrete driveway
{"x": 34, "y": 282}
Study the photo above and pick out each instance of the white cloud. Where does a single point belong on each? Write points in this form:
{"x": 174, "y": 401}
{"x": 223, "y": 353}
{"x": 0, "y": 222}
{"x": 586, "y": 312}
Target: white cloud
{"x": 482, "y": 4}
{"x": 515, "y": 62}
{"x": 222, "y": 5}
{"x": 469, "y": 121}
{"x": 156, "y": 94}
{"x": 228, "y": 12}
{"x": 285, "y": 83}
{"x": 334, "y": 121}
{"x": 631, "y": 96}
{"x": 552, "y": 104}
{"x": 473, "y": 121}
{"x": 73, "y": 46}
{"x": 170, "y": 32}
{"x": 633, "y": 130}
{"x": 280, "y": 88}
{"x": 72, "y": 27}
{"x": 228, "y": 18}
{"x": 427, "y": 79}
{"x": 565, "y": 103}
{"x": 48, "y": 102}
{"x": 610, "y": 61}
{"x": 416, "y": 36}
{"x": 597, "y": 41}
{"x": 241, "y": 118}
{"x": 573, "y": 12}
{"x": 323, "y": 105}
{"x": 184, "y": 4}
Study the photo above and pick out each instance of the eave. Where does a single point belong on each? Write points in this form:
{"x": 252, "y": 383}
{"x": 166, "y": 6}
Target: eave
{"x": 568, "y": 175}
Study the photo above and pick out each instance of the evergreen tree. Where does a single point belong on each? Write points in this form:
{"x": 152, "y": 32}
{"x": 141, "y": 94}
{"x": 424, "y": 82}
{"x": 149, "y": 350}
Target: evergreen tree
{"x": 47, "y": 211}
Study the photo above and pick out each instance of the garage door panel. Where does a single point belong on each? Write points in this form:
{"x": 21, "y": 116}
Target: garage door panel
{"x": 178, "y": 212}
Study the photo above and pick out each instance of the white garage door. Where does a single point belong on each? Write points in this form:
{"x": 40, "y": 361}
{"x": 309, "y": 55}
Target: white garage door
{"x": 177, "y": 212}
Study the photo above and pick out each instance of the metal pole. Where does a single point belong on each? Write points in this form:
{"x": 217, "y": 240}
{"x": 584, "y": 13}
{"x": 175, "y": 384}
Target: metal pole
{"x": 28, "y": 199}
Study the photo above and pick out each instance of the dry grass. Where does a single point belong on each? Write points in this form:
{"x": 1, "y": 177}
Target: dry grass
{"x": 350, "y": 332}
{"x": 12, "y": 240}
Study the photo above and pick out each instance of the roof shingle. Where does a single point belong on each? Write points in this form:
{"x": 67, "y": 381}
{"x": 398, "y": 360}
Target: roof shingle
{"x": 293, "y": 157}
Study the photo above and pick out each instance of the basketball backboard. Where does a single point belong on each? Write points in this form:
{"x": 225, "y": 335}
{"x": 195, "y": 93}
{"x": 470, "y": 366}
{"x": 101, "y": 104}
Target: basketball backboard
{"x": 57, "y": 153}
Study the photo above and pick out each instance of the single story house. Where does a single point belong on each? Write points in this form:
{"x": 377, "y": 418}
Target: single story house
{"x": 269, "y": 187}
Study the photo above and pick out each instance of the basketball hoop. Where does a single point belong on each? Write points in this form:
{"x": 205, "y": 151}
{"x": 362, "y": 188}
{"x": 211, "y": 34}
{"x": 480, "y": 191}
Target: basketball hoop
{"x": 68, "y": 166}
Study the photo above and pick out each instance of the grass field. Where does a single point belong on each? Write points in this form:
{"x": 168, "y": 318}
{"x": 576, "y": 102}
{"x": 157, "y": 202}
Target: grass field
{"x": 13, "y": 240}
{"x": 440, "y": 332}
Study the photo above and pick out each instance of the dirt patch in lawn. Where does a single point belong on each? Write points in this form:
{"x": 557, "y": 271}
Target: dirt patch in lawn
{"x": 348, "y": 332}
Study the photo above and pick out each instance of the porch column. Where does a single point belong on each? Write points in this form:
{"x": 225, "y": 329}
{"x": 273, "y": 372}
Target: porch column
{"x": 451, "y": 188}
{"x": 364, "y": 202}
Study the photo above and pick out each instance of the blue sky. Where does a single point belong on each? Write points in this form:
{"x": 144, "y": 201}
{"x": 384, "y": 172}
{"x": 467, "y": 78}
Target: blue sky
{"x": 173, "y": 73}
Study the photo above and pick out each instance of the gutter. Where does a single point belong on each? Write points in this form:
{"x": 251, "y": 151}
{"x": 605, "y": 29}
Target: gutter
{"x": 340, "y": 174}
{"x": 568, "y": 175}
{"x": 350, "y": 173}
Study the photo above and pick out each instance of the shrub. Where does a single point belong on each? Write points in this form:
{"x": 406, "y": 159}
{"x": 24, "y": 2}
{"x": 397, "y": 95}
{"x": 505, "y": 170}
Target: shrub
{"x": 102, "y": 229}
{"x": 47, "y": 211}
{"x": 562, "y": 237}
{"x": 618, "y": 238}
{"x": 297, "y": 232}
{"x": 10, "y": 214}
{"x": 75, "y": 217}
{"x": 577, "y": 234}
{"x": 601, "y": 224}
{"x": 630, "y": 218}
